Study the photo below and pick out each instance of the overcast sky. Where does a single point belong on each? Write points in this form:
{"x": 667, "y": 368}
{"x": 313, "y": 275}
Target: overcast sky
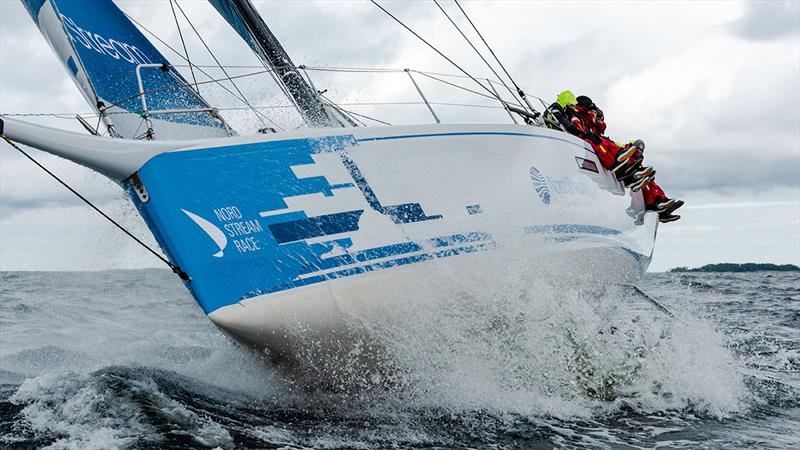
{"x": 713, "y": 88}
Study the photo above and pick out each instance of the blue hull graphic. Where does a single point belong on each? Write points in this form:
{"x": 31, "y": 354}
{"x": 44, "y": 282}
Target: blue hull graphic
{"x": 271, "y": 215}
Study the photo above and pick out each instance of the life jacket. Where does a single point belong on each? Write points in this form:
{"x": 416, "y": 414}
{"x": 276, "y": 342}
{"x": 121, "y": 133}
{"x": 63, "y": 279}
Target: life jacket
{"x": 558, "y": 115}
{"x": 584, "y": 119}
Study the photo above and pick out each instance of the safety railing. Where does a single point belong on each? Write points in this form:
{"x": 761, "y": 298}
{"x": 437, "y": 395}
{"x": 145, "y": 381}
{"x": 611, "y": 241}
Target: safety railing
{"x": 490, "y": 98}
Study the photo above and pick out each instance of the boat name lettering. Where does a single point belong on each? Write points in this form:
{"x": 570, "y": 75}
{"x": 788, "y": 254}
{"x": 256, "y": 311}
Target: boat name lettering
{"x": 236, "y": 226}
{"x": 565, "y": 185}
{"x": 228, "y": 213}
{"x": 110, "y": 47}
{"x": 243, "y": 228}
{"x": 249, "y": 244}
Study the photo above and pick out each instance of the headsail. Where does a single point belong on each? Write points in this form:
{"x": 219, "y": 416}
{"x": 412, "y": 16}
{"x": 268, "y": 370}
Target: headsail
{"x": 112, "y": 63}
{"x": 244, "y": 18}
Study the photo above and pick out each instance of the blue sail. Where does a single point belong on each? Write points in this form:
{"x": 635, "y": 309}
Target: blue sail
{"x": 101, "y": 50}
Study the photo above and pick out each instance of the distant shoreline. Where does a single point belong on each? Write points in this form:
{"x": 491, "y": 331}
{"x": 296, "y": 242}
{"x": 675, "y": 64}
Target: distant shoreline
{"x": 746, "y": 267}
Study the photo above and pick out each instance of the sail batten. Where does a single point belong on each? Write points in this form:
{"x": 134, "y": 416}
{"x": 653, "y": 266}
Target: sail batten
{"x": 101, "y": 50}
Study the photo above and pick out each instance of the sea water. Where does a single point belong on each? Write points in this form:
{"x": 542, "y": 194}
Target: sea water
{"x": 126, "y": 359}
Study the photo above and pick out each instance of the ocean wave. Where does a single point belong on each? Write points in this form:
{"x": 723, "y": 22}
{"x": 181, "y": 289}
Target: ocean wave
{"x": 539, "y": 365}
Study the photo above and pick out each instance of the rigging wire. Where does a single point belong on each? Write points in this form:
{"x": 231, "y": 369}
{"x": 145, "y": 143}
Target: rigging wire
{"x": 339, "y": 107}
{"x": 183, "y": 275}
{"x": 474, "y": 48}
{"x": 429, "y": 74}
{"x": 181, "y": 86}
{"x": 217, "y": 60}
{"x": 493, "y": 97}
{"x": 366, "y": 117}
{"x": 492, "y": 94}
{"x": 199, "y": 68}
{"x": 71, "y": 116}
{"x": 241, "y": 99}
{"x": 350, "y": 117}
{"x": 180, "y": 33}
{"x": 519, "y": 90}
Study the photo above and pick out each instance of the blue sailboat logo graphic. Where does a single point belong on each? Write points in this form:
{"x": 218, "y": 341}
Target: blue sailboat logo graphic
{"x": 540, "y": 184}
{"x": 213, "y": 232}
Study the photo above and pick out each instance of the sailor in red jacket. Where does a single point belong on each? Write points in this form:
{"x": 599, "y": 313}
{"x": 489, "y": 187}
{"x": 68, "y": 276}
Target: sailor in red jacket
{"x": 625, "y": 161}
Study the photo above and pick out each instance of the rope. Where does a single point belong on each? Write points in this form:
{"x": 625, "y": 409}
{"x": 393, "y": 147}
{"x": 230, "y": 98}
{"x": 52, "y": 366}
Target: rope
{"x": 474, "y": 48}
{"x": 519, "y": 91}
{"x": 180, "y": 33}
{"x": 183, "y": 275}
{"x": 492, "y": 94}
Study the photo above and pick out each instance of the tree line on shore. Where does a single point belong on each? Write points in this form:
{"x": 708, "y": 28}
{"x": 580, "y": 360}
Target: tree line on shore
{"x": 746, "y": 267}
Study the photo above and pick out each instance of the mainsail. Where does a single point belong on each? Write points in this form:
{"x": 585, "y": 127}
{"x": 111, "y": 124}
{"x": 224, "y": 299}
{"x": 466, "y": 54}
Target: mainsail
{"x": 244, "y": 18}
{"x": 129, "y": 82}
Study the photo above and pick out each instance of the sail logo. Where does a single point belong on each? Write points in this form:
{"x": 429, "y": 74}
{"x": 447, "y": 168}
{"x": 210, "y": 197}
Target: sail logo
{"x": 212, "y": 230}
{"x": 540, "y": 185}
{"x": 109, "y": 47}
{"x": 237, "y": 229}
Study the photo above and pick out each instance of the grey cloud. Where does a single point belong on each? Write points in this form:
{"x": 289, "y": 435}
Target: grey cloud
{"x": 720, "y": 169}
{"x": 12, "y": 207}
{"x": 357, "y": 35}
{"x": 15, "y": 18}
{"x": 766, "y": 20}
{"x": 23, "y": 186}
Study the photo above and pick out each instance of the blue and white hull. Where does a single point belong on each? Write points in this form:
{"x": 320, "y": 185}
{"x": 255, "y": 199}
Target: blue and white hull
{"x": 302, "y": 231}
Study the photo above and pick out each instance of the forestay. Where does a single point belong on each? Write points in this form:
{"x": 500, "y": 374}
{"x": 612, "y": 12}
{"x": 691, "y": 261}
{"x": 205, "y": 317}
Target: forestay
{"x": 246, "y": 21}
{"x": 108, "y": 58}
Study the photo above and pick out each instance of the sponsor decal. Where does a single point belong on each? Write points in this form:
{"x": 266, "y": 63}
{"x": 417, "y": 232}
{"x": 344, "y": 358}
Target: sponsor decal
{"x": 568, "y": 186}
{"x": 109, "y": 47}
{"x": 241, "y": 231}
{"x": 213, "y": 232}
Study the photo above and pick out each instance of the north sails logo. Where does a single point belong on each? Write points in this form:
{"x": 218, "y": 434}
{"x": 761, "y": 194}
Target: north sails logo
{"x": 540, "y": 184}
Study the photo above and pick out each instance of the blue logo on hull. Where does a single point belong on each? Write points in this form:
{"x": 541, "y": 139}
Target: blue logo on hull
{"x": 540, "y": 184}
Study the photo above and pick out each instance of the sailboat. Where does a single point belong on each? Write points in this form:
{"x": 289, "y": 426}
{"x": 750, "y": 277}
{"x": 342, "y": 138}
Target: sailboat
{"x": 282, "y": 234}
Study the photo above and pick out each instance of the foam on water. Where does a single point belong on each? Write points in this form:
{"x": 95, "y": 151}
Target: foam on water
{"x": 557, "y": 350}
{"x": 125, "y": 359}
{"x": 539, "y": 336}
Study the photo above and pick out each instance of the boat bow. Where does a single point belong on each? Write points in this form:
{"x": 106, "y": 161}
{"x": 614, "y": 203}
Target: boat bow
{"x": 115, "y": 158}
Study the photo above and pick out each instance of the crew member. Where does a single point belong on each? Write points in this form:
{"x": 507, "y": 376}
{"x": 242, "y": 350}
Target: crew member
{"x": 587, "y": 121}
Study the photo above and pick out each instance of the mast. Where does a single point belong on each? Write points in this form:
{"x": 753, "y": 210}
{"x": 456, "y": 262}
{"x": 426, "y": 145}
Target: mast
{"x": 244, "y": 18}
